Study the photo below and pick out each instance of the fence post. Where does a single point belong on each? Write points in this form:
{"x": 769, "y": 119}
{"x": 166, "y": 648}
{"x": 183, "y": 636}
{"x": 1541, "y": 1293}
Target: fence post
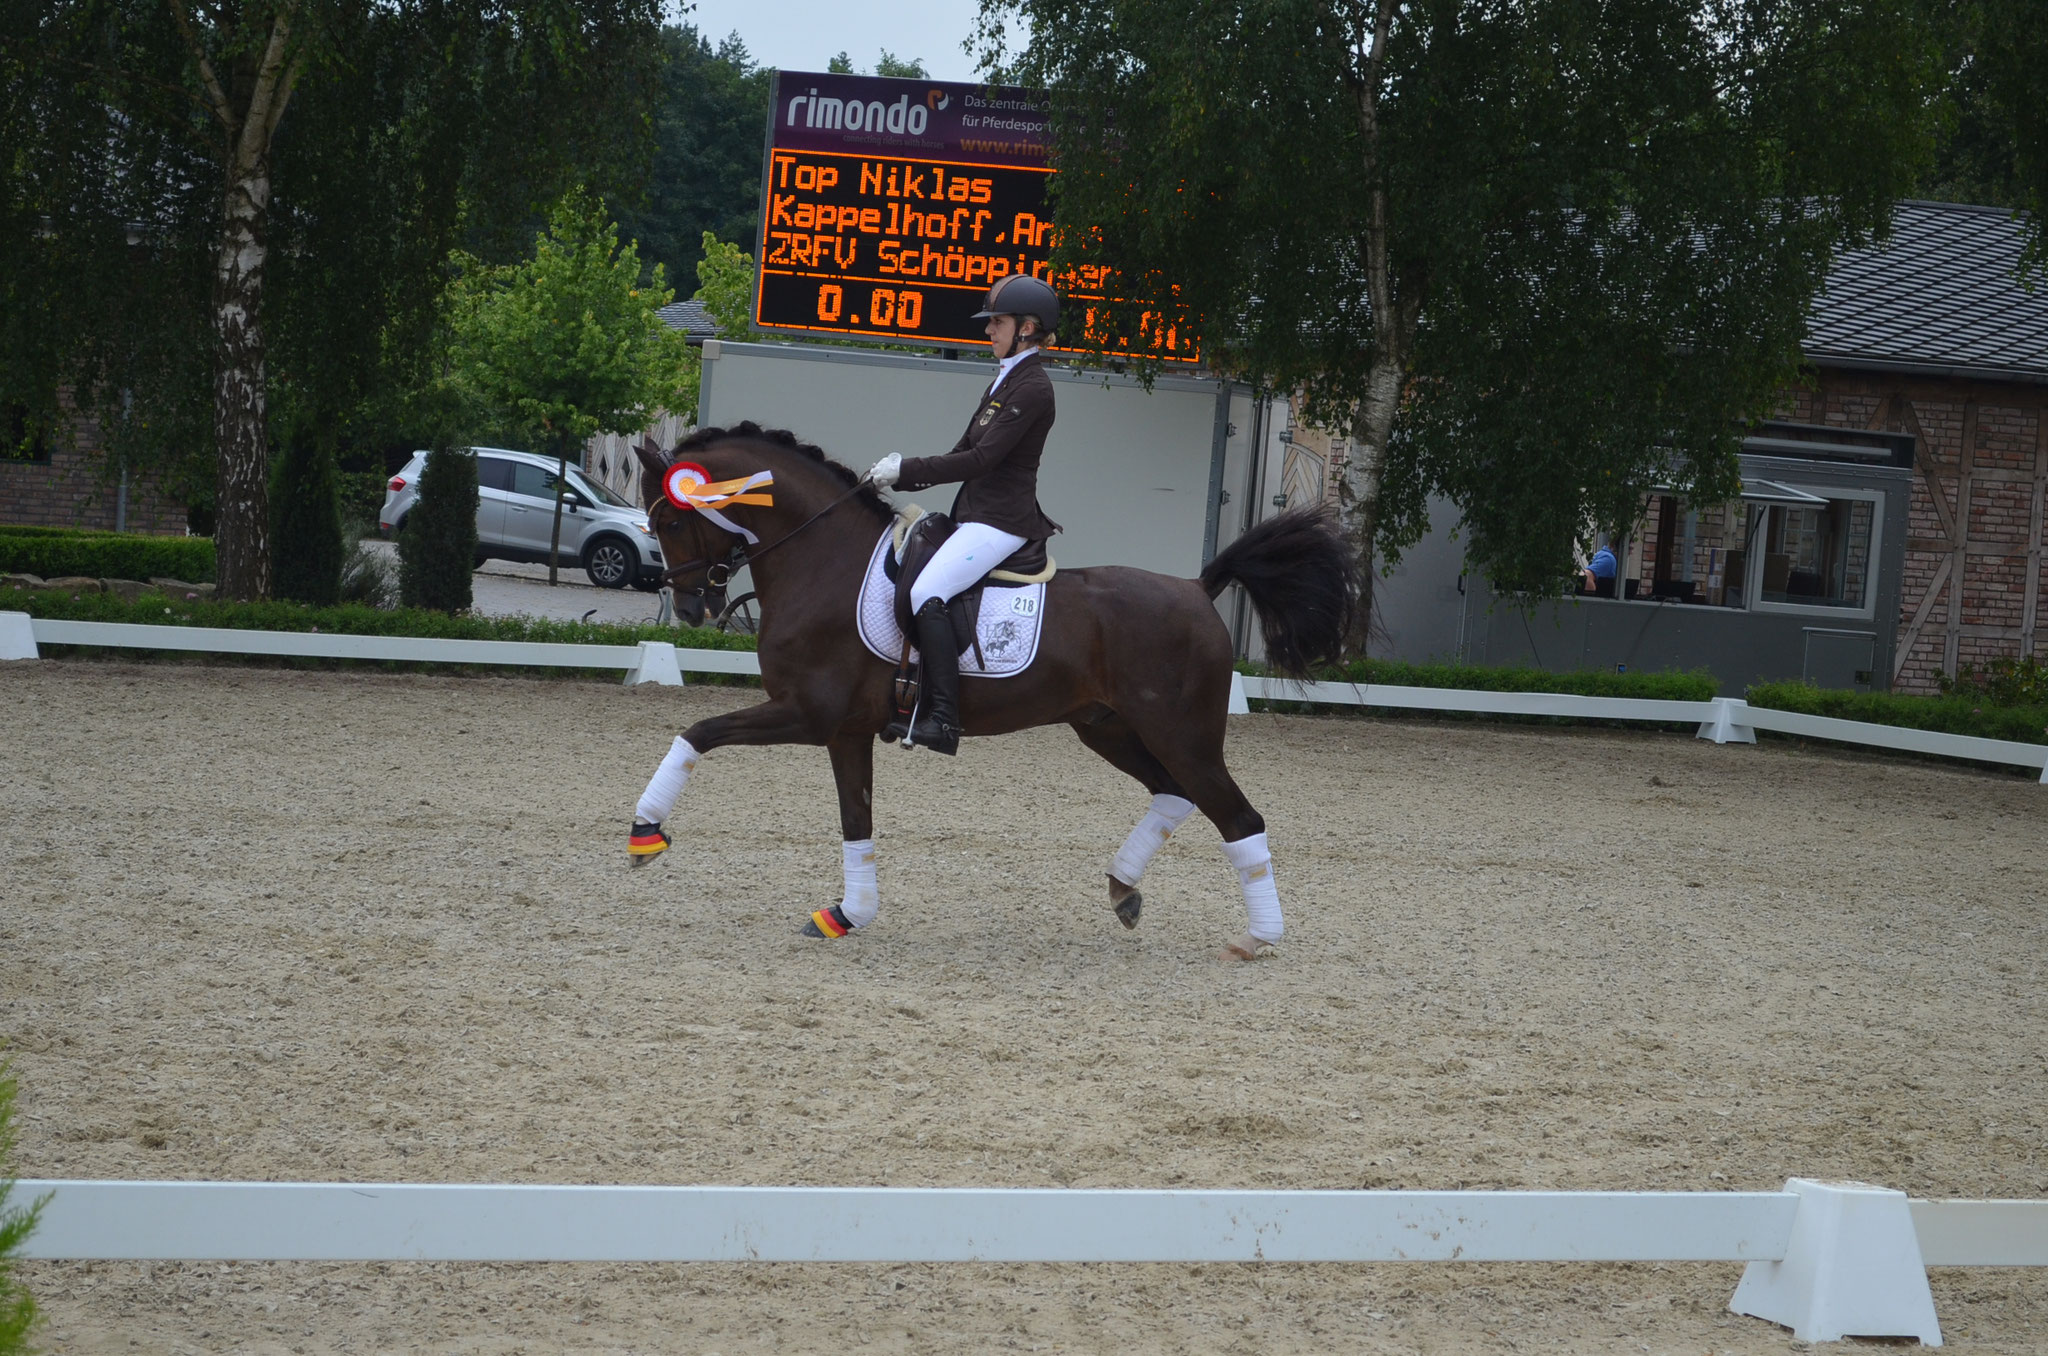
{"x": 657, "y": 664}
{"x": 1728, "y": 725}
{"x": 17, "y": 637}
{"x": 1852, "y": 1268}
{"x": 1238, "y": 705}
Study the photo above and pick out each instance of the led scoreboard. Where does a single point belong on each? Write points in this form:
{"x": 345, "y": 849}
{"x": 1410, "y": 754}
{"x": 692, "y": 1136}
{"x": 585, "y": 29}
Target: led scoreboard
{"x": 889, "y": 206}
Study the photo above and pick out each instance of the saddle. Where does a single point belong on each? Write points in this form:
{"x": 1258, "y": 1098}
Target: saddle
{"x": 919, "y": 535}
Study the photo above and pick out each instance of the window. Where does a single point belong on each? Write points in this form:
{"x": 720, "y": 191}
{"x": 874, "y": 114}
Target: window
{"x": 1780, "y": 546}
{"x": 596, "y": 491}
{"x": 494, "y": 473}
{"x": 532, "y": 481}
{"x": 1815, "y": 555}
{"x": 21, "y": 438}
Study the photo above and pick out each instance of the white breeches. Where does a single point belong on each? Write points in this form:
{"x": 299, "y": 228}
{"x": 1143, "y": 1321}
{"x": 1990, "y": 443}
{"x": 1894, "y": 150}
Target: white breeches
{"x": 966, "y": 556}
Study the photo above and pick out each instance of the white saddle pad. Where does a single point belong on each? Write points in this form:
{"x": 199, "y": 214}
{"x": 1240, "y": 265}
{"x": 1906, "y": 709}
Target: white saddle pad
{"x": 1008, "y": 628}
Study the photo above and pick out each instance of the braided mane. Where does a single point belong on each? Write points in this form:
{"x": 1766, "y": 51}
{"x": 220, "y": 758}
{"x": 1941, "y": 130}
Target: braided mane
{"x": 783, "y": 438}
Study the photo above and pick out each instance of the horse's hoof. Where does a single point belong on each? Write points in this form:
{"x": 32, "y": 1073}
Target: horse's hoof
{"x": 827, "y": 924}
{"x": 1246, "y": 947}
{"x": 646, "y": 842}
{"x": 1128, "y": 908}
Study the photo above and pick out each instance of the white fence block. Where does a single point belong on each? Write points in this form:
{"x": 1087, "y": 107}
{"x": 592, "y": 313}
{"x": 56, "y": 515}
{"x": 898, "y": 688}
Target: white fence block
{"x": 17, "y": 636}
{"x": 340, "y": 1222}
{"x": 657, "y": 664}
{"x": 1852, "y": 1268}
{"x": 1238, "y": 705}
{"x": 1730, "y": 723}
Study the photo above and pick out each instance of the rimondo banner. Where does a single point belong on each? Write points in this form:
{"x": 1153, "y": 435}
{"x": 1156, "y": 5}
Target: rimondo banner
{"x": 889, "y": 206}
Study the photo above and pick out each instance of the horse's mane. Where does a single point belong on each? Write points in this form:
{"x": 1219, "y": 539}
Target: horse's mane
{"x": 783, "y": 438}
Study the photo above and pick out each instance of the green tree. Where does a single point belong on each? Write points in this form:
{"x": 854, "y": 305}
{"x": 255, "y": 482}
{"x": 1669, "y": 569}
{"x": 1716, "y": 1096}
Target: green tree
{"x": 217, "y": 214}
{"x": 725, "y": 284}
{"x": 2010, "y": 66}
{"x": 1536, "y": 257}
{"x": 568, "y": 343}
{"x": 305, "y": 507}
{"x": 437, "y": 545}
{"x": 910, "y": 69}
{"x": 17, "y": 1306}
{"x": 710, "y": 117}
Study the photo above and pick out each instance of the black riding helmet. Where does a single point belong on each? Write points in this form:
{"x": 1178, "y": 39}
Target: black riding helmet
{"x": 1021, "y": 294}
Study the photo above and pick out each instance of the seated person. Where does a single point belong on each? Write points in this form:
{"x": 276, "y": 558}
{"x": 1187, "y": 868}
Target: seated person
{"x": 1600, "y": 573}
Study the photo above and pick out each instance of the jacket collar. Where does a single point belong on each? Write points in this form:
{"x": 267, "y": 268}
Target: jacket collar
{"x": 1011, "y": 364}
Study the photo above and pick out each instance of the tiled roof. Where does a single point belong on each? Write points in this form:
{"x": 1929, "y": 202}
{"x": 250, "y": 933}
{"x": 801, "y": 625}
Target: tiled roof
{"x": 690, "y": 317}
{"x": 1939, "y": 296}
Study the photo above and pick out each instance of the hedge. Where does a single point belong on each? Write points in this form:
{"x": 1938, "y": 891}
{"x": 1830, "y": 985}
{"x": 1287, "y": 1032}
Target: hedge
{"x": 1961, "y": 715}
{"x": 54, "y": 553}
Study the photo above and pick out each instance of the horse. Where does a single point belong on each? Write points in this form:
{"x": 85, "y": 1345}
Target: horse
{"x": 1137, "y": 663}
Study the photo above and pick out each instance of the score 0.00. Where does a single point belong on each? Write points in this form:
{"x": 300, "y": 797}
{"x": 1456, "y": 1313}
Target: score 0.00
{"x": 904, "y": 310}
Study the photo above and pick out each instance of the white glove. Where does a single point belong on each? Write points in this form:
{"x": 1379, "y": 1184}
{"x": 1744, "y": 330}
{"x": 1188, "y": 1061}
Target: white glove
{"x": 883, "y": 473}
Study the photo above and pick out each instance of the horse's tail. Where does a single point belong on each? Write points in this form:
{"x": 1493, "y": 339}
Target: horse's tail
{"x": 1301, "y": 574}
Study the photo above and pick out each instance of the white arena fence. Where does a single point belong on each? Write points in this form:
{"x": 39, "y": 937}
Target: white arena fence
{"x": 1825, "y": 1259}
{"x": 1724, "y": 720}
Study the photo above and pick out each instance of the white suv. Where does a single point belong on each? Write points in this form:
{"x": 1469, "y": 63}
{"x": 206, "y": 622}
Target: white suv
{"x": 515, "y": 515}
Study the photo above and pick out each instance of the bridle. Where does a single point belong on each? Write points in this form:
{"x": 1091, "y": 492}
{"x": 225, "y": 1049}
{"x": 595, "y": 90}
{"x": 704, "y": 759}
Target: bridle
{"x": 718, "y": 573}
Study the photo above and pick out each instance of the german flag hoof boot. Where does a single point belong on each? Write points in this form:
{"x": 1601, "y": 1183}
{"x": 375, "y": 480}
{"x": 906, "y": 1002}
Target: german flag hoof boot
{"x": 646, "y": 842}
{"x": 827, "y": 923}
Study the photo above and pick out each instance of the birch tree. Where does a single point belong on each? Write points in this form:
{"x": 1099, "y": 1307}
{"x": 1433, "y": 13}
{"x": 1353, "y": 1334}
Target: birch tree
{"x": 275, "y": 185}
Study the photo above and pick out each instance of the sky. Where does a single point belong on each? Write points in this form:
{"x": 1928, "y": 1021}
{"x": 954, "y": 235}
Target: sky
{"x": 803, "y": 35}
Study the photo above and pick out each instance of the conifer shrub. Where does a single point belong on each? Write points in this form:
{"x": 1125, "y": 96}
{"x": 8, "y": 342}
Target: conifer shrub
{"x": 437, "y": 548}
{"x": 305, "y": 524}
{"x": 17, "y": 1307}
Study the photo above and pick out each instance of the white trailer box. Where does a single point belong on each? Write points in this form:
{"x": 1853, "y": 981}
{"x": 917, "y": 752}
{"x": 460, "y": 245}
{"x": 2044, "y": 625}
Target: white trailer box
{"x": 1136, "y": 477}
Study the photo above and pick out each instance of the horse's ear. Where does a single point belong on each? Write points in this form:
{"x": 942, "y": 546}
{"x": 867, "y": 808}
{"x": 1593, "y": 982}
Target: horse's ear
{"x": 653, "y": 465}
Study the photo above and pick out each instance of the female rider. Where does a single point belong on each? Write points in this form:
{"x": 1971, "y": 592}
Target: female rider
{"x": 996, "y": 461}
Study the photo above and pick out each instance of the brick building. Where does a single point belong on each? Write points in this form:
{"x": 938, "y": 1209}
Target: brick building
{"x": 1927, "y": 365}
{"x": 61, "y": 485}
{"x": 1933, "y": 335}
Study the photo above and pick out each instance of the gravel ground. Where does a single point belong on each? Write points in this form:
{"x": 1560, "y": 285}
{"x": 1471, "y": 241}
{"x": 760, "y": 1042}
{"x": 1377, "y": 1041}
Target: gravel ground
{"x": 320, "y": 925}
{"x": 506, "y": 588}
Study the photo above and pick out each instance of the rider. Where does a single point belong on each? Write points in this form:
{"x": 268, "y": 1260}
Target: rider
{"x": 996, "y": 460}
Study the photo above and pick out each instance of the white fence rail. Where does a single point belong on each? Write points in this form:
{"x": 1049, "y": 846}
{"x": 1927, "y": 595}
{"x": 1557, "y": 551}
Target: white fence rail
{"x": 1826, "y": 1259}
{"x": 650, "y": 661}
{"x": 1723, "y": 720}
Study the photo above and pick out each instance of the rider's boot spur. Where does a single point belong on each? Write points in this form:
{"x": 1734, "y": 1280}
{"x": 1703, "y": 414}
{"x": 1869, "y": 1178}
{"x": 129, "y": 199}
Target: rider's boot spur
{"x": 938, "y": 709}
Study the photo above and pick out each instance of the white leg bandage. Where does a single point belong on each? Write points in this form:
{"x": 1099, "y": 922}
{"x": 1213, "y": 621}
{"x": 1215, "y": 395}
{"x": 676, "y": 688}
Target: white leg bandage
{"x": 1153, "y": 830}
{"x": 863, "y": 900}
{"x": 1254, "y": 863}
{"x": 669, "y": 780}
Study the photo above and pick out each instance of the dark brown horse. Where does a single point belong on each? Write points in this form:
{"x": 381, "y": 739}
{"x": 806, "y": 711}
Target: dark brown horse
{"x": 1139, "y": 664}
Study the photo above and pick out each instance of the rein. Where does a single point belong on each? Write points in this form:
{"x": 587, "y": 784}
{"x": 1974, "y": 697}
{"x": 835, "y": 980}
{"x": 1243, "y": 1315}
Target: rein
{"x": 712, "y": 568}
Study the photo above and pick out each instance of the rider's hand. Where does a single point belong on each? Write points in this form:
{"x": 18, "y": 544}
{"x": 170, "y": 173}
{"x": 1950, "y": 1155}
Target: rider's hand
{"x": 884, "y": 472}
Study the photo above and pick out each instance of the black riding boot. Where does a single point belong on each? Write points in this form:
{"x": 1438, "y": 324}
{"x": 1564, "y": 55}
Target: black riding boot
{"x": 938, "y": 708}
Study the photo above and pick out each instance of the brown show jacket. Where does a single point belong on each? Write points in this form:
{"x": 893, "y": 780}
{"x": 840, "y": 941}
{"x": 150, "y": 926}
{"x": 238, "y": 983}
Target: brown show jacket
{"x": 997, "y": 458}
